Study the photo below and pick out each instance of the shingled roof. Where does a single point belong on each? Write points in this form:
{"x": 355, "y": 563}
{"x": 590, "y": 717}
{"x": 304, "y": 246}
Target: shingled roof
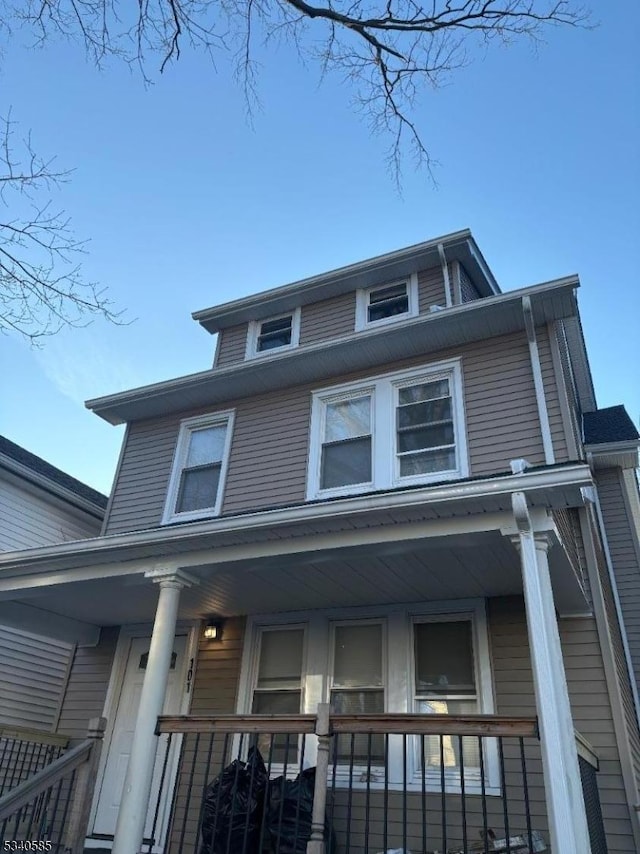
{"x": 609, "y": 425}
{"x": 44, "y": 469}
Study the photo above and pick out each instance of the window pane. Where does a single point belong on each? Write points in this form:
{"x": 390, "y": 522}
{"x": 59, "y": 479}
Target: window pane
{"x": 391, "y": 292}
{"x": 280, "y": 659}
{"x": 198, "y": 488}
{"x": 357, "y": 656}
{"x": 345, "y": 463}
{"x": 450, "y": 753}
{"x": 274, "y": 333}
{"x": 444, "y": 657}
{"x": 424, "y": 391}
{"x": 359, "y": 703}
{"x": 347, "y": 419}
{"x": 427, "y": 412}
{"x": 206, "y": 445}
{"x": 276, "y": 703}
{"x": 428, "y": 462}
{"x": 387, "y": 302}
{"x": 425, "y": 437}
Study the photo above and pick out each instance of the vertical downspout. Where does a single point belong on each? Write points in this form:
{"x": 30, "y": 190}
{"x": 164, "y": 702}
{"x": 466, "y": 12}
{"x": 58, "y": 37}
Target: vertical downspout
{"x": 538, "y": 383}
{"x": 445, "y": 274}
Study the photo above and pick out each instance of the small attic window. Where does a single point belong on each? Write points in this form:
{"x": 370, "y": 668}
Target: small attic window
{"x": 387, "y": 304}
{"x": 275, "y": 333}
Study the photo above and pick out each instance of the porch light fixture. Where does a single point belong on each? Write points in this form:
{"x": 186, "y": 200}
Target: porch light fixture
{"x": 213, "y": 630}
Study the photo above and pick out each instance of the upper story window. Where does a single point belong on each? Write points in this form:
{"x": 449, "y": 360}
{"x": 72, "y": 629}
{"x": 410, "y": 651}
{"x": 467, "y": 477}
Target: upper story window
{"x": 401, "y": 428}
{"x": 274, "y": 334}
{"x": 199, "y": 468}
{"x": 387, "y": 304}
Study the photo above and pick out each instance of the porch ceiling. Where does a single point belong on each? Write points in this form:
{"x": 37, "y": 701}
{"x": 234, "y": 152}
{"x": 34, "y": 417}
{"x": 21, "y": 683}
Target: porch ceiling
{"x": 471, "y": 565}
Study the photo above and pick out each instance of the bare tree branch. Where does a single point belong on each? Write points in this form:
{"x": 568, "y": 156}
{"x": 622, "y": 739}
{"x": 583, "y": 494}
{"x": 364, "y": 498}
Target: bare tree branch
{"x": 41, "y": 285}
{"x": 387, "y": 50}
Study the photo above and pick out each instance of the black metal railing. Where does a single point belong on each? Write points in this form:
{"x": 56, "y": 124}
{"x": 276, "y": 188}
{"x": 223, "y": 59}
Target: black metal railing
{"x": 589, "y": 765}
{"x": 50, "y": 808}
{"x": 426, "y": 783}
{"x": 24, "y": 752}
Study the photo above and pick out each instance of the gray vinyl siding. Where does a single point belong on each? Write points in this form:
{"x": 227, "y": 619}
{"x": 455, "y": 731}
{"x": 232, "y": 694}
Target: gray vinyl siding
{"x": 34, "y": 669}
{"x": 33, "y": 672}
{"x": 269, "y": 452}
{"x": 430, "y": 289}
{"x": 28, "y": 520}
{"x": 215, "y": 692}
{"x": 622, "y": 535}
{"x": 328, "y": 319}
{"x": 86, "y": 690}
{"x": 231, "y": 346}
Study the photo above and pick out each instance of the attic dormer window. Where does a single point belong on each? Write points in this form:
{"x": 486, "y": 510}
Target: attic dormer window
{"x": 387, "y": 303}
{"x": 274, "y": 334}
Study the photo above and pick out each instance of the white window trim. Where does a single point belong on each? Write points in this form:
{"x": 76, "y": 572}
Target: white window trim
{"x": 398, "y": 663}
{"x": 253, "y": 333}
{"x": 362, "y": 304}
{"x": 384, "y": 394}
{"x": 187, "y": 426}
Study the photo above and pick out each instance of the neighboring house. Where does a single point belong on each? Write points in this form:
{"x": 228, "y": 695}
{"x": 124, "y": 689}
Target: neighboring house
{"x": 395, "y": 493}
{"x": 39, "y": 506}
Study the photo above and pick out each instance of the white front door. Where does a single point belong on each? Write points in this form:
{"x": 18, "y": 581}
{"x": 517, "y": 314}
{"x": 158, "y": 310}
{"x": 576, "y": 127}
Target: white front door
{"x": 119, "y": 748}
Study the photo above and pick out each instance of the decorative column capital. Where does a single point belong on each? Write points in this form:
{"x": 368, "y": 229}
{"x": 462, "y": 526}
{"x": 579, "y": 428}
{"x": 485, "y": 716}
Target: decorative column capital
{"x": 170, "y": 576}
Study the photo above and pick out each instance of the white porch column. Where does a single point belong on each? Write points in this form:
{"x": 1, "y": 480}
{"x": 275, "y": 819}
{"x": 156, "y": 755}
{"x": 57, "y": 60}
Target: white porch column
{"x": 563, "y": 789}
{"x": 137, "y": 785}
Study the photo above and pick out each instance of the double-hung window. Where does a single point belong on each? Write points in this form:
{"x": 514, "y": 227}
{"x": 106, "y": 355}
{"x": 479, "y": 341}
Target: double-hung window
{"x": 445, "y": 683}
{"x": 199, "y": 468}
{"x": 274, "y": 334}
{"x": 387, "y": 303}
{"x": 390, "y": 430}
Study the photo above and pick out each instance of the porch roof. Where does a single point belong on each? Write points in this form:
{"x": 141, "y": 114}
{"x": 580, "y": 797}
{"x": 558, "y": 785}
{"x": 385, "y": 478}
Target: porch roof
{"x": 411, "y": 545}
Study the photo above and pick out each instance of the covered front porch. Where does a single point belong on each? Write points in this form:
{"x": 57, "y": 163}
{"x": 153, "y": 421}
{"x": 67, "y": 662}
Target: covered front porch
{"x": 501, "y": 559}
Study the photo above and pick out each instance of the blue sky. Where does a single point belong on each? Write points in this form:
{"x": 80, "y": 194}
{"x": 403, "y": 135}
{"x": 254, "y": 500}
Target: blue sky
{"x": 188, "y": 204}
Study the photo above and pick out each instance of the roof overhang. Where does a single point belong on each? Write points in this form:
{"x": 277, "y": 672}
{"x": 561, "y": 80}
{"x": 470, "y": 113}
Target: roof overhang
{"x": 610, "y": 454}
{"x": 287, "y": 529}
{"x": 428, "y": 333}
{"x": 459, "y": 246}
{"x": 41, "y": 485}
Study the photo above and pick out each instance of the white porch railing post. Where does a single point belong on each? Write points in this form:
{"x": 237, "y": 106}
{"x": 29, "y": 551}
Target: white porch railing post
{"x": 137, "y": 785}
{"x": 563, "y": 788}
{"x": 315, "y": 845}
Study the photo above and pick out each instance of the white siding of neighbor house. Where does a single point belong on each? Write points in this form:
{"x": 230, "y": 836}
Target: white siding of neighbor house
{"x": 34, "y": 669}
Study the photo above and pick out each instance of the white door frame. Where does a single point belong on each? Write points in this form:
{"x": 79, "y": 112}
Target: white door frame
{"x": 128, "y": 633}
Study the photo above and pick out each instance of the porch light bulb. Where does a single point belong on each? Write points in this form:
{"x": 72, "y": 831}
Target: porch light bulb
{"x": 211, "y": 631}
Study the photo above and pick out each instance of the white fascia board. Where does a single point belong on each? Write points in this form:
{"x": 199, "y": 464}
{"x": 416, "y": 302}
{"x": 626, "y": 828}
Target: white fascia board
{"x": 113, "y": 408}
{"x": 24, "y": 474}
{"x": 119, "y": 549}
{"x": 624, "y": 454}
